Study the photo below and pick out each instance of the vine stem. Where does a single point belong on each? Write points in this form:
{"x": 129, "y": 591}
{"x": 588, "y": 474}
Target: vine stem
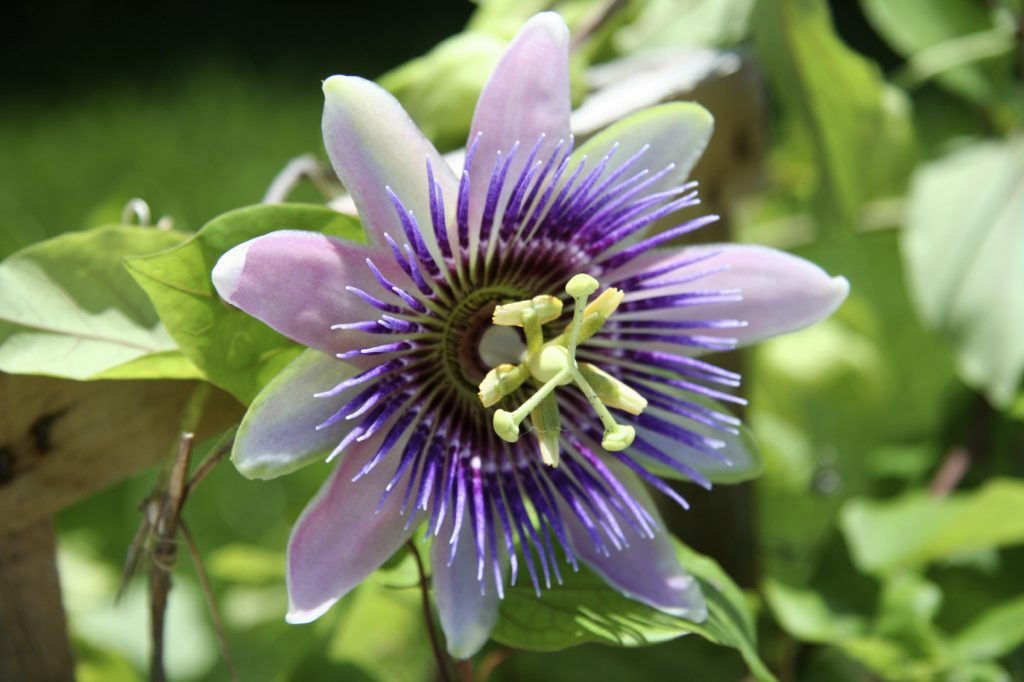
{"x": 440, "y": 655}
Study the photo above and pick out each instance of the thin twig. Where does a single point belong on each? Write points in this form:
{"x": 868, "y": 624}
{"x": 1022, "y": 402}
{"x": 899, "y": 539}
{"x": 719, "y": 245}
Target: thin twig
{"x": 204, "y": 581}
{"x": 301, "y": 167}
{"x": 165, "y": 528}
{"x": 206, "y": 466}
{"x": 158, "y": 534}
{"x": 954, "y": 467}
{"x": 440, "y": 656}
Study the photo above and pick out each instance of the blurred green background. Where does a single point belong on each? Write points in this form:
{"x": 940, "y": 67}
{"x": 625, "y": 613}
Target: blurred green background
{"x": 881, "y": 139}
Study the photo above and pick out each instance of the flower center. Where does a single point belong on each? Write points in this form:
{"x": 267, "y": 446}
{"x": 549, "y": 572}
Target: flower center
{"x": 463, "y": 333}
{"x": 553, "y": 363}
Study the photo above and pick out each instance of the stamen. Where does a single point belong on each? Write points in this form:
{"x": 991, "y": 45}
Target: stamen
{"x": 551, "y": 364}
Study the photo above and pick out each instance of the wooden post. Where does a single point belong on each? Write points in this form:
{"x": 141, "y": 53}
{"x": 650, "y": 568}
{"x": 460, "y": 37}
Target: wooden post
{"x": 33, "y": 630}
{"x": 62, "y": 441}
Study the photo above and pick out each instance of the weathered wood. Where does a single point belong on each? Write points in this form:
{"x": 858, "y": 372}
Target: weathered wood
{"x": 61, "y": 441}
{"x": 33, "y": 631}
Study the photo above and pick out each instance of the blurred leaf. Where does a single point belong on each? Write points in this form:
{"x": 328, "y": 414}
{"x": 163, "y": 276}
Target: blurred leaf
{"x": 994, "y": 634}
{"x": 586, "y": 609}
{"x": 860, "y": 131}
{"x": 235, "y": 351}
{"x": 194, "y": 144}
{"x": 383, "y": 633}
{"x": 95, "y": 664}
{"x": 88, "y": 585}
{"x": 440, "y": 89}
{"x": 242, "y": 563}
{"x": 952, "y": 38}
{"x": 918, "y": 528}
{"x": 902, "y": 645}
{"x": 69, "y": 309}
{"x": 977, "y": 672}
{"x": 804, "y": 614}
{"x": 828, "y": 402}
{"x": 965, "y": 258}
{"x": 681, "y": 23}
{"x": 504, "y": 18}
{"x": 908, "y": 606}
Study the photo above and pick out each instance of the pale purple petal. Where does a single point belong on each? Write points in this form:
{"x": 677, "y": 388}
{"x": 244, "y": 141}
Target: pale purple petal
{"x": 278, "y": 433}
{"x": 527, "y": 96}
{"x": 780, "y": 292}
{"x": 296, "y": 281}
{"x": 648, "y": 570}
{"x": 373, "y": 144}
{"x": 340, "y": 540}
{"x": 468, "y": 608}
{"x": 735, "y": 456}
{"x": 675, "y": 134}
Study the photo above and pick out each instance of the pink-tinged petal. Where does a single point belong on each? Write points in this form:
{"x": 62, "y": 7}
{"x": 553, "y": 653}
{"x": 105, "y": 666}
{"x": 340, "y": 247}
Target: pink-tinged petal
{"x": 527, "y": 96}
{"x": 648, "y": 570}
{"x": 675, "y": 134}
{"x": 467, "y": 612}
{"x": 340, "y": 539}
{"x": 780, "y": 293}
{"x": 296, "y": 281}
{"x": 278, "y": 434}
{"x": 373, "y": 144}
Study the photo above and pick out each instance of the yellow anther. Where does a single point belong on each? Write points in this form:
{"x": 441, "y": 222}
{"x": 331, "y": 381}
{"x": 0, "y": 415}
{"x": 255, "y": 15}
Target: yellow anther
{"x": 611, "y": 391}
{"x": 550, "y": 364}
{"x": 501, "y": 381}
{"x": 606, "y": 303}
{"x": 548, "y": 308}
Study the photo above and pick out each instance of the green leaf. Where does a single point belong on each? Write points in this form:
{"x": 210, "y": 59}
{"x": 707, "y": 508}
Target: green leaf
{"x": 906, "y": 613}
{"x": 965, "y": 257}
{"x": 242, "y": 563}
{"x": 235, "y": 351}
{"x": 994, "y": 634}
{"x": 686, "y": 23}
{"x": 918, "y": 528}
{"x": 586, "y": 609}
{"x": 440, "y": 89}
{"x": 902, "y": 645}
{"x": 829, "y": 402}
{"x": 859, "y": 128}
{"x": 383, "y": 633}
{"x": 69, "y": 309}
{"x": 804, "y": 614}
{"x": 957, "y": 40}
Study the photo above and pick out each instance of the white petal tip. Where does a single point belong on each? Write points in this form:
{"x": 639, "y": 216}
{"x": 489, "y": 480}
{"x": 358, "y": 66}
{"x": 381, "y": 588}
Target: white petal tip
{"x": 227, "y": 273}
{"x": 255, "y": 471}
{"x": 297, "y": 616}
{"x": 335, "y": 86}
{"x": 841, "y": 288}
{"x": 553, "y": 23}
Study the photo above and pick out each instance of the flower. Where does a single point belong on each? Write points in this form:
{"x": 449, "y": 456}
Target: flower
{"x": 421, "y": 409}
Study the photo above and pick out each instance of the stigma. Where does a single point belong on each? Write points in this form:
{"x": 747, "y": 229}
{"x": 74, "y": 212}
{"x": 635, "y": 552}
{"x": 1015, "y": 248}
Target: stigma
{"x": 550, "y": 364}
